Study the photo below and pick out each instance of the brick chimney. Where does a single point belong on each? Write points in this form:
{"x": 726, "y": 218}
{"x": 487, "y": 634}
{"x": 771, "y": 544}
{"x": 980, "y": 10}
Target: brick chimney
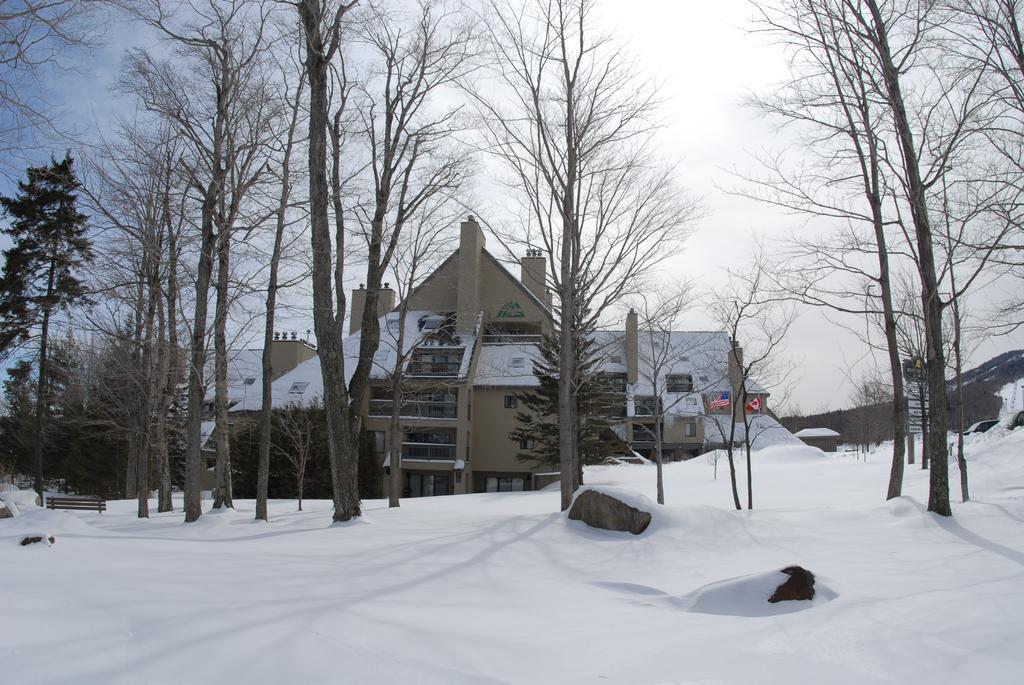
{"x": 533, "y": 274}
{"x": 471, "y": 245}
{"x": 357, "y": 303}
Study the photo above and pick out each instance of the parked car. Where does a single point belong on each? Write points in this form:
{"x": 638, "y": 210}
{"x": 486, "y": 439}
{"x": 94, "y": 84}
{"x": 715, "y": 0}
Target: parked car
{"x": 1016, "y": 421}
{"x": 981, "y": 426}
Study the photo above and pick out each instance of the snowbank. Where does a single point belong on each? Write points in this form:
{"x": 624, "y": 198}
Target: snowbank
{"x": 458, "y": 589}
{"x": 748, "y": 596}
{"x": 18, "y": 501}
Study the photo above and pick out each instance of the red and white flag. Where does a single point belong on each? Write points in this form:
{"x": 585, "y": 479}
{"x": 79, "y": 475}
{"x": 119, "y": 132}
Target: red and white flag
{"x": 754, "y": 405}
{"x": 720, "y": 402}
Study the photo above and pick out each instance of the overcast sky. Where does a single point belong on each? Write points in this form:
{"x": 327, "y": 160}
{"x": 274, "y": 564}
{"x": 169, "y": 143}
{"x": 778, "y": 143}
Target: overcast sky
{"x": 707, "y": 61}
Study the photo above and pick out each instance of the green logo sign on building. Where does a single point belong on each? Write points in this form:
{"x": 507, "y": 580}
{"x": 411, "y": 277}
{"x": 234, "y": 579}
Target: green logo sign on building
{"x": 511, "y": 310}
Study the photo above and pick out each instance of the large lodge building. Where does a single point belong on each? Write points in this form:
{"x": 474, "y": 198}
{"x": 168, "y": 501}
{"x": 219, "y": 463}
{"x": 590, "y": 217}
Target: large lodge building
{"x": 473, "y": 331}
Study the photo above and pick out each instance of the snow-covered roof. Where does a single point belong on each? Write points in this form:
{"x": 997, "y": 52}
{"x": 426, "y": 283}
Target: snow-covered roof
{"x": 245, "y": 371}
{"x": 764, "y": 431}
{"x": 304, "y": 384}
{"x": 703, "y": 355}
{"x": 507, "y": 365}
{"x": 817, "y": 433}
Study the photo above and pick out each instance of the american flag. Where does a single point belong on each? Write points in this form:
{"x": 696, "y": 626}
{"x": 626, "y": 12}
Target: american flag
{"x": 720, "y": 402}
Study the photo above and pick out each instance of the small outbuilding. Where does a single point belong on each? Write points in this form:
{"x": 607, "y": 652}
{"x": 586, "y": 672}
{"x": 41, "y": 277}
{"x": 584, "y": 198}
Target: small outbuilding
{"x": 825, "y": 439}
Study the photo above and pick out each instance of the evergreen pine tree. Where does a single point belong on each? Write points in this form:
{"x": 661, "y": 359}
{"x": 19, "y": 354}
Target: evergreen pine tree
{"x": 537, "y": 432}
{"x": 39, "y": 275}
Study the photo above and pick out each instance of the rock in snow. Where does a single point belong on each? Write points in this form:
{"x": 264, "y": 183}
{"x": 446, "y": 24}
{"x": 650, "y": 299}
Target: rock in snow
{"x": 799, "y": 585}
{"x": 601, "y": 510}
{"x": 32, "y": 539}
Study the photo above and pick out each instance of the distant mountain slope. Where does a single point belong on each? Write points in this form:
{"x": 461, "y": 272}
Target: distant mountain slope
{"x": 981, "y": 401}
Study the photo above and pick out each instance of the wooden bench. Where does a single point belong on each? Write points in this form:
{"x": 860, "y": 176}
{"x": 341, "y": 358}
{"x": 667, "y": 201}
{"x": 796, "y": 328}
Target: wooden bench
{"x": 76, "y": 503}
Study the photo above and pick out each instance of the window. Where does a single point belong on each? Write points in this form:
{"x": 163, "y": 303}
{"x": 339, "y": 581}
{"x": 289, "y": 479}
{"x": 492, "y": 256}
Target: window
{"x": 691, "y": 401}
{"x": 614, "y": 382}
{"x": 679, "y": 383}
{"x": 527, "y": 443}
{"x": 427, "y": 485}
{"x": 691, "y": 429}
{"x": 615, "y": 359}
{"x": 249, "y": 381}
{"x": 497, "y": 484}
{"x": 298, "y": 388}
{"x": 703, "y": 379}
{"x": 517, "y": 362}
{"x": 511, "y": 401}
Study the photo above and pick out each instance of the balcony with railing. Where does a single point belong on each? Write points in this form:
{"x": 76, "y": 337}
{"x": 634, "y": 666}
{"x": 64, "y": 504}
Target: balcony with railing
{"x": 645, "y": 406}
{"x": 428, "y": 451}
{"x": 434, "y": 363}
{"x": 419, "y": 409}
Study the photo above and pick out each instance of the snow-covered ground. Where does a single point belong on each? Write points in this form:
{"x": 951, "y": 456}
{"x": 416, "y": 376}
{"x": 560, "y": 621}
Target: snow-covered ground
{"x": 499, "y": 588}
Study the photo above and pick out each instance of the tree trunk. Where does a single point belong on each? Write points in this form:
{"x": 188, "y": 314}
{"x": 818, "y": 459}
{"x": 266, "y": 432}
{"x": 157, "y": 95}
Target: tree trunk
{"x": 965, "y": 493}
{"x": 169, "y": 362}
{"x": 325, "y": 323}
{"x": 394, "y": 425}
{"x": 566, "y": 367}
{"x": 223, "y": 463}
{"x": 899, "y": 399}
{"x": 922, "y": 397}
{"x": 732, "y": 463}
{"x": 742, "y": 407}
{"x": 658, "y": 455}
{"x": 150, "y": 389}
{"x": 41, "y": 389}
{"x": 197, "y": 359}
{"x": 935, "y": 453}
{"x": 266, "y": 408}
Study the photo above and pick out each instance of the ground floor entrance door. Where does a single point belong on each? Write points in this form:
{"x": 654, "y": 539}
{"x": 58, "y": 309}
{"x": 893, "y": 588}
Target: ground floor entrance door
{"x": 421, "y": 484}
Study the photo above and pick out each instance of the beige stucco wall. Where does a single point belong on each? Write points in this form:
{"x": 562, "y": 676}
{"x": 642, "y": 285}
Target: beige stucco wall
{"x": 492, "y": 449}
{"x": 285, "y": 355}
{"x": 504, "y": 300}
{"x": 439, "y": 293}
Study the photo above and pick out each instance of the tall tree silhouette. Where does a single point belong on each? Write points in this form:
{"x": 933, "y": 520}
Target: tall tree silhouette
{"x": 39, "y": 276}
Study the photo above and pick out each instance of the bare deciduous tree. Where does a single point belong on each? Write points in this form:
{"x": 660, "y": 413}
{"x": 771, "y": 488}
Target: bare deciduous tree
{"x": 37, "y": 38}
{"x": 207, "y": 94}
{"x": 573, "y": 123}
{"x": 407, "y": 132}
{"x": 421, "y": 248}
{"x": 659, "y": 355}
{"x": 757, "y": 324}
{"x": 284, "y": 178}
{"x": 296, "y": 425}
